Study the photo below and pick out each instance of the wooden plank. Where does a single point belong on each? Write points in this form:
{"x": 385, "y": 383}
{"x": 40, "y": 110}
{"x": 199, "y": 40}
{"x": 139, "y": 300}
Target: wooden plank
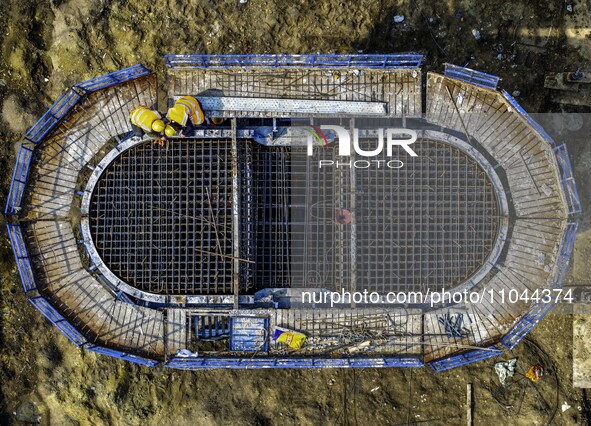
{"x": 176, "y": 335}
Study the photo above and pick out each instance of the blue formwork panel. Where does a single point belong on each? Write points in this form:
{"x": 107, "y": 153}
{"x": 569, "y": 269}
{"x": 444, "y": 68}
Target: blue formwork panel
{"x": 54, "y": 114}
{"x": 527, "y": 323}
{"x": 106, "y": 351}
{"x": 226, "y": 363}
{"x": 141, "y": 360}
{"x": 401, "y": 60}
{"x": 23, "y": 263}
{"x": 465, "y": 358}
{"x": 112, "y": 78}
{"x": 525, "y": 115}
{"x": 566, "y": 250}
{"x": 251, "y": 363}
{"x": 567, "y": 179}
{"x": 363, "y": 363}
{"x": 295, "y": 363}
{"x": 471, "y": 76}
{"x": 122, "y": 355}
{"x": 533, "y": 316}
{"x": 330, "y": 362}
{"x": 194, "y": 363}
{"x": 68, "y": 100}
{"x": 383, "y": 362}
{"x": 19, "y": 179}
{"x": 58, "y": 320}
{"x": 249, "y": 334}
{"x": 185, "y": 363}
{"x": 403, "y": 362}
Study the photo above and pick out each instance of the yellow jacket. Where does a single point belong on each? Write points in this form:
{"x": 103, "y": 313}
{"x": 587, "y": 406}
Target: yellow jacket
{"x": 143, "y": 117}
{"x": 184, "y": 108}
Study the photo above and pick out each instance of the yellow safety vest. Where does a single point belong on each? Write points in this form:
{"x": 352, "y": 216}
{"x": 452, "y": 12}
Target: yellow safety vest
{"x": 143, "y": 117}
{"x": 189, "y": 108}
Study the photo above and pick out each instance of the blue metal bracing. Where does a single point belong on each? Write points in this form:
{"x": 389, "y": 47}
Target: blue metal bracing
{"x": 567, "y": 179}
{"x": 19, "y": 178}
{"x": 112, "y": 78}
{"x": 525, "y": 325}
{"x": 465, "y": 358}
{"x": 194, "y": 363}
{"x": 23, "y": 264}
{"x": 122, "y": 355}
{"x": 66, "y": 102}
{"x": 401, "y": 60}
{"x": 566, "y": 250}
{"x": 211, "y": 327}
{"x": 54, "y": 114}
{"x": 249, "y": 334}
{"x": 471, "y": 76}
{"x": 58, "y": 320}
{"x": 540, "y": 309}
{"x": 525, "y": 115}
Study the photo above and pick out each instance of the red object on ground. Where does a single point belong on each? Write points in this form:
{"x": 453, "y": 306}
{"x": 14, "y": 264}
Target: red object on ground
{"x": 344, "y": 216}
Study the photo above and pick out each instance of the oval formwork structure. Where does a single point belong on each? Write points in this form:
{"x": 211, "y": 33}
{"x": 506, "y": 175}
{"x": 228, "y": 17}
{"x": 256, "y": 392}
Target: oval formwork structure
{"x": 113, "y": 296}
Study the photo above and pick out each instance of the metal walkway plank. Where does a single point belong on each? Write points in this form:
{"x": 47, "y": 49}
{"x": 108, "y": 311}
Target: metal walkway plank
{"x": 216, "y": 106}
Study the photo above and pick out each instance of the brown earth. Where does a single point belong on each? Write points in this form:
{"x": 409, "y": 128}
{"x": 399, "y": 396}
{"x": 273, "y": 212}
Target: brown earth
{"x": 48, "y": 45}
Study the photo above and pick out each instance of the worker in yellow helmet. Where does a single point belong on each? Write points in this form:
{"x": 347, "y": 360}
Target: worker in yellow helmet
{"x": 185, "y": 114}
{"x": 169, "y": 131}
{"x": 145, "y": 120}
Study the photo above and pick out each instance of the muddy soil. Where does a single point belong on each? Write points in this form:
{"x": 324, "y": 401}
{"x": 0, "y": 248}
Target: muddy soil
{"x": 49, "y": 45}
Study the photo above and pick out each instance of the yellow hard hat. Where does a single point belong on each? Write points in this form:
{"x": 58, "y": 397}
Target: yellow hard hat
{"x": 158, "y": 126}
{"x": 169, "y": 131}
{"x": 217, "y": 120}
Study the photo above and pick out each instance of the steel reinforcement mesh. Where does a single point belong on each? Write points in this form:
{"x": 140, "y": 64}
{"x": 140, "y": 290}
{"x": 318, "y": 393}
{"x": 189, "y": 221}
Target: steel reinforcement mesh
{"x": 296, "y": 241}
{"x": 429, "y": 224}
{"x": 161, "y": 218}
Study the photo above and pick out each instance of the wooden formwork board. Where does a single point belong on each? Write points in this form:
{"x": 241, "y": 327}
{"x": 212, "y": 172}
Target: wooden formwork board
{"x": 176, "y": 330}
{"x": 83, "y": 299}
{"x": 526, "y": 158}
{"x": 95, "y": 120}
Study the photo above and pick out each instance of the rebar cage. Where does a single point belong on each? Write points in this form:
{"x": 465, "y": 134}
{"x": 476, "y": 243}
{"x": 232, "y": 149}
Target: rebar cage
{"x": 162, "y": 218}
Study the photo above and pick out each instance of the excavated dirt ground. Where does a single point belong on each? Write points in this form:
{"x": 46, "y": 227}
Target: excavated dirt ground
{"x": 49, "y": 45}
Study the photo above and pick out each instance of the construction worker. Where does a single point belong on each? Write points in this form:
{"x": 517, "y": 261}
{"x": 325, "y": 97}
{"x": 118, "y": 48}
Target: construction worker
{"x": 185, "y": 114}
{"x": 144, "y": 120}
